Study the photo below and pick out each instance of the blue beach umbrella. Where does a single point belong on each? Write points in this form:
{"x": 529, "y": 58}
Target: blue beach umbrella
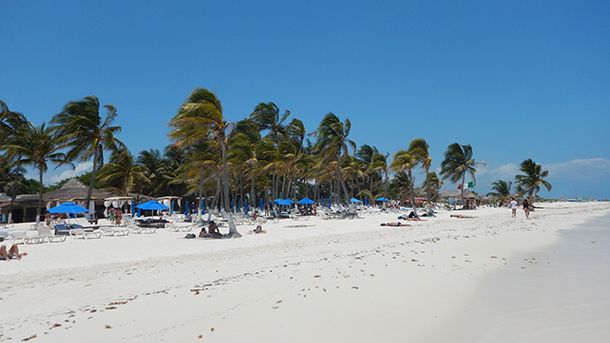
{"x": 382, "y": 199}
{"x": 355, "y": 201}
{"x": 152, "y": 205}
{"x": 132, "y": 208}
{"x": 288, "y": 201}
{"x": 69, "y": 208}
{"x": 306, "y": 201}
{"x": 261, "y": 204}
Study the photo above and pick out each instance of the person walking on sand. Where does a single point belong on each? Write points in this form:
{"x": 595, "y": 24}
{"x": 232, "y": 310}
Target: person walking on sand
{"x": 513, "y": 206}
{"x": 526, "y": 208}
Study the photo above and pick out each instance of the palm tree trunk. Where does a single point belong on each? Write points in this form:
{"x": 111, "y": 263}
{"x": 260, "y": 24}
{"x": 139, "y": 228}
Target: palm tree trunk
{"x": 39, "y": 208}
{"x": 92, "y": 177}
{"x": 201, "y": 191}
{"x": 225, "y": 180}
{"x": 462, "y": 189}
{"x": 412, "y": 192}
{"x": 252, "y": 192}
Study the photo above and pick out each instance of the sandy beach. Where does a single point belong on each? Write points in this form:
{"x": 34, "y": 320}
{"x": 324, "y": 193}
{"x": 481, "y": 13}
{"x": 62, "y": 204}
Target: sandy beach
{"x": 444, "y": 279}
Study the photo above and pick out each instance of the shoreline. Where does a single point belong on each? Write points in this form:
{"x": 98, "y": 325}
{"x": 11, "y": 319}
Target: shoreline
{"x": 555, "y": 294}
{"x": 333, "y": 281}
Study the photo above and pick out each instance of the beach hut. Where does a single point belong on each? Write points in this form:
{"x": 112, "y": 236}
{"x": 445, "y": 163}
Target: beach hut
{"x": 171, "y": 201}
{"x": 75, "y": 191}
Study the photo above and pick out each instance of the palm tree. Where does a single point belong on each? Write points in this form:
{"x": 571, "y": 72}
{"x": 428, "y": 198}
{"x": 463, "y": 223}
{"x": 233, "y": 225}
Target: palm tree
{"x": 267, "y": 117}
{"x": 86, "y": 135}
{"x": 333, "y": 146}
{"x": 35, "y": 146}
{"x": 501, "y": 191}
{"x": 458, "y": 162}
{"x": 432, "y": 186}
{"x": 10, "y": 122}
{"x": 407, "y": 160}
{"x": 199, "y": 119}
{"x": 122, "y": 172}
{"x": 532, "y": 179}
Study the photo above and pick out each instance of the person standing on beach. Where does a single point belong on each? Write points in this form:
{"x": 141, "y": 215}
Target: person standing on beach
{"x": 513, "y": 206}
{"x": 526, "y": 208}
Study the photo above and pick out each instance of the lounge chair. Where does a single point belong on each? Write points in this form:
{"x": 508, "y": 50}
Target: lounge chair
{"x": 138, "y": 229}
{"x": 79, "y": 231}
{"x": 114, "y": 231}
{"x": 47, "y": 235}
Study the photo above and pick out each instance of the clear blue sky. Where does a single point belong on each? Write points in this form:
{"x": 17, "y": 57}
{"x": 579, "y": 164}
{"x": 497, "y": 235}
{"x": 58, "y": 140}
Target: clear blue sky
{"x": 514, "y": 79}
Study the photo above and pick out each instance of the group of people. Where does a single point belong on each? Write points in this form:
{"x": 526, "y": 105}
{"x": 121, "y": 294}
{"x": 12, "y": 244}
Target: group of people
{"x": 514, "y": 205}
{"x": 213, "y": 231}
{"x": 115, "y": 215}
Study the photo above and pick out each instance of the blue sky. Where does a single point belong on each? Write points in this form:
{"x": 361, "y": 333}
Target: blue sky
{"x": 516, "y": 79}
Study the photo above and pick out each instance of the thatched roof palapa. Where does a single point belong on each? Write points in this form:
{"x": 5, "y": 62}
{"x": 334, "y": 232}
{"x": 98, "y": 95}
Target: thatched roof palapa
{"x": 73, "y": 189}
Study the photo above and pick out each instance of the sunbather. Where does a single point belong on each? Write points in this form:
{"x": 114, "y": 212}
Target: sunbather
{"x": 12, "y": 253}
{"x": 394, "y": 224}
{"x": 461, "y": 216}
{"x": 213, "y": 230}
{"x": 411, "y": 217}
{"x": 259, "y": 229}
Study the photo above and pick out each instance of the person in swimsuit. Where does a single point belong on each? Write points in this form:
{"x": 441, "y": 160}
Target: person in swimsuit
{"x": 526, "y": 208}
{"x": 513, "y": 206}
{"x": 12, "y": 253}
{"x": 394, "y": 224}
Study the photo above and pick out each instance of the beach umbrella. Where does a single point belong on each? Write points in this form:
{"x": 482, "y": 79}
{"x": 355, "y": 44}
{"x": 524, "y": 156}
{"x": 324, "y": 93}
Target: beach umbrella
{"x": 278, "y": 201}
{"x": 152, "y": 205}
{"x": 382, "y": 199}
{"x": 306, "y": 201}
{"x": 186, "y": 207}
{"x": 261, "y": 204}
{"x": 246, "y": 206}
{"x": 288, "y": 201}
{"x": 132, "y": 208}
{"x": 69, "y": 208}
{"x": 355, "y": 201}
{"x": 366, "y": 201}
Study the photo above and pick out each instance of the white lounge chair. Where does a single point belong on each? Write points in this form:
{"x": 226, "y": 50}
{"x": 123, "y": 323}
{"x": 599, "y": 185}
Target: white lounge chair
{"x": 47, "y": 235}
{"x": 138, "y": 230}
{"x": 82, "y": 233}
{"x": 114, "y": 231}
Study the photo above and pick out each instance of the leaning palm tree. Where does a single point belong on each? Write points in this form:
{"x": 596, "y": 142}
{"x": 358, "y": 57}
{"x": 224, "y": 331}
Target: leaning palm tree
{"x": 86, "y": 135}
{"x": 122, "y": 173}
{"x": 267, "y": 116}
{"x": 199, "y": 119}
{"x": 501, "y": 191}
{"x": 333, "y": 146}
{"x": 10, "y": 122}
{"x": 532, "y": 179}
{"x": 458, "y": 162}
{"x": 407, "y": 160}
{"x": 36, "y": 146}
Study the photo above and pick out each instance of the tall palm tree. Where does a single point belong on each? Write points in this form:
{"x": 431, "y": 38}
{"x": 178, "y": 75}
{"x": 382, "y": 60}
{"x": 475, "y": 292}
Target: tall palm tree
{"x": 10, "y": 122}
{"x": 501, "y": 191}
{"x": 122, "y": 172}
{"x": 267, "y": 116}
{"x": 333, "y": 145}
{"x": 432, "y": 186}
{"x": 86, "y": 135}
{"x": 201, "y": 118}
{"x": 532, "y": 179}
{"x": 458, "y": 162}
{"x": 407, "y": 160}
{"x": 36, "y": 146}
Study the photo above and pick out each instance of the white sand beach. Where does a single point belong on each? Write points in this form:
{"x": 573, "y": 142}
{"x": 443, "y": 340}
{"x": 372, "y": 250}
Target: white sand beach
{"x": 444, "y": 279}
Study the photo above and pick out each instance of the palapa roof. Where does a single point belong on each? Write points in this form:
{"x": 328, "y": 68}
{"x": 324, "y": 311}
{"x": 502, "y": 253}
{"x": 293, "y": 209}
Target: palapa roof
{"x": 20, "y": 200}
{"x": 74, "y": 189}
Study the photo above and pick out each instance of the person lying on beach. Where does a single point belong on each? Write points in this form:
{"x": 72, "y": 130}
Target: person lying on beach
{"x": 394, "y": 224}
{"x": 259, "y": 229}
{"x": 12, "y": 253}
{"x": 411, "y": 217}
{"x": 460, "y": 216}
